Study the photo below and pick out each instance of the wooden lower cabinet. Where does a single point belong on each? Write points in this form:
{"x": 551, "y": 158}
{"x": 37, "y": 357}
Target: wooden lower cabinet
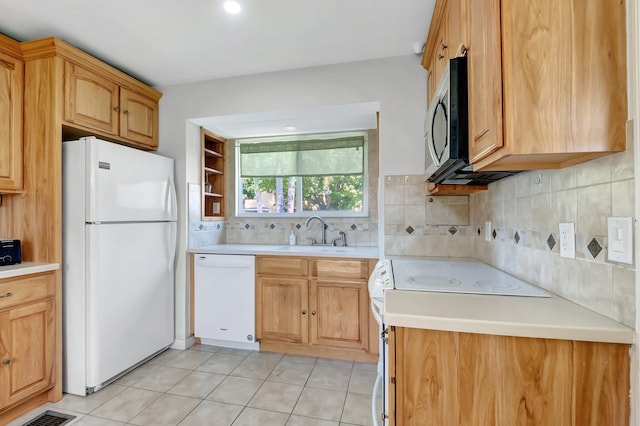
{"x": 303, "y": 307}
{"x": 448, "y": 378}
{"x": 27, "y": 341}
{"x": 338, "y": 313}
{"x": 282, "y": 309}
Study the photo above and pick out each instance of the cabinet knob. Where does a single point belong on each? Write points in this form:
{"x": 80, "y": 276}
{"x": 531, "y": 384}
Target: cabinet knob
{"x": 313, "y": 312}
{"x": 440, "y": 56}
{"x": 443, "y": 46}
{"x": 116, "y": 108}
{"x": 9, "y": 294}
{"x": 125, "y": 112}
{"x": 6, "y": 361}
{"x": 304, "y": 312}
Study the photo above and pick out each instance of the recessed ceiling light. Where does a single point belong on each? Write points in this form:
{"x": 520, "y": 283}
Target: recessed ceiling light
{"x": 232, "y": 6}
{"x": 290, "y": 128}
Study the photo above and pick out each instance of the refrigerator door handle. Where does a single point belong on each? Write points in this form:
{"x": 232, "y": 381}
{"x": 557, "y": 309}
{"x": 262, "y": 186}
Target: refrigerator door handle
{"x": 172, "y": 246}
{"x": 172, "y": 198}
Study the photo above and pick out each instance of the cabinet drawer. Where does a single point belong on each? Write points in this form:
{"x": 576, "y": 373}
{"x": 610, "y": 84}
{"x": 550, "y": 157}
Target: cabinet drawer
{"x": 282, "y": 266}
{"x": 15, "y": 291}
{"x": 355, "y": 269}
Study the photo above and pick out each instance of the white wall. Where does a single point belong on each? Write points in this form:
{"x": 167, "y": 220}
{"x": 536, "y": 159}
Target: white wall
{"x": 398, "y": 84}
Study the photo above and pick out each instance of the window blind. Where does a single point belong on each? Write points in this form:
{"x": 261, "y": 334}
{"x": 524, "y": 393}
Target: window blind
{"x": 317, "y": 157}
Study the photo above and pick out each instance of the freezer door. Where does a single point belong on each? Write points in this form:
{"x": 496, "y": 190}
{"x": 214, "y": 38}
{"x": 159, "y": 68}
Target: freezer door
{"x": 130, "y": 295}
{"x": 127, "y": 185}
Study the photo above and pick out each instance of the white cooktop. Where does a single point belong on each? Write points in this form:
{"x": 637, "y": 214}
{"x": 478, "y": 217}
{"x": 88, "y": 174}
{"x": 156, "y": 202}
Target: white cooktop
{"x": 458, "y": 276}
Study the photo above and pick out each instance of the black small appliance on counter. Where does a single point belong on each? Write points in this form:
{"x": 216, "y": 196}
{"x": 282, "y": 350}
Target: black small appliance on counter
{"x": 10, "y": 252}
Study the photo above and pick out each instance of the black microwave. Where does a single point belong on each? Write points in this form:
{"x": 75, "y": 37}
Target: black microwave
{"x": 447, "y": 130}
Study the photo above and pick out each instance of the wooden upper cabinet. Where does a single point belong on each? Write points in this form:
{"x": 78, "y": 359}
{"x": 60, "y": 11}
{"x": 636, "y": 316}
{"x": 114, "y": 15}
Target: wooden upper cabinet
{"x": 98, "y": 103}
{"x": 11, "y": 105}
{"x": 446, "y": 36}
{"x": 547, "y": 82}
{"x": 90, "y": 100}
{"x": 563, "y": 81}
{"x": 484, "y": 78}
{"x": 139, "y": 118}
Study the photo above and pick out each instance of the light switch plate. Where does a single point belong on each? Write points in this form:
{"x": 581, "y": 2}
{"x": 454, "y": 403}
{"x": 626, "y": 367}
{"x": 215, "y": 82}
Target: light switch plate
{"x": 567, "y": 235}
{"x": 620, "y": 239}
{"x": 487, "y": 231}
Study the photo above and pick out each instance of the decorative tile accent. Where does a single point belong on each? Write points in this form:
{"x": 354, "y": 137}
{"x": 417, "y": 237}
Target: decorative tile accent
{"x": 409, "y": 230}
{"x": 516, "y": 237}
{"x": 594, "y": 247}
{"x": 494, "y": 234}
{"x": 551, "y": 242}
{"x": 298, "y": 226}
{"x": 246, "y": 226}
{"x": 272, "y": 226}
{"x": 453, "y": 230}
{"x": 354, "y": 227}
{"x": 479, "y": 231}
{"x": 201, "y": 227}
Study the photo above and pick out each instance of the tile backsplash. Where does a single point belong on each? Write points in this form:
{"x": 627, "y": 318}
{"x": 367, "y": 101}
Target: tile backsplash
{"x": 417, "y": 225}
{"x": 525, "y": 210}
{"x": 201, "y": 233}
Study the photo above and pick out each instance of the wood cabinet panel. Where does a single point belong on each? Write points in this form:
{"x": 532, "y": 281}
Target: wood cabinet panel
{"x": 282, "y": 266}
{"x": 15, "y": 291}
{"x": 28, "y": 340}
{"x": 449, "y": 378}
{"x": 90, "y": 100}
{"x": 484, "y": 78}
{"x": 355, "y": 269}
{"x": 11, "y": 108}
{"x": 601, "y": 384}
{"x": 428, "y": 387}
{"x": 339, "y": 313}
{"x": 139, "y": 118}
{"x": 282, "y": 309}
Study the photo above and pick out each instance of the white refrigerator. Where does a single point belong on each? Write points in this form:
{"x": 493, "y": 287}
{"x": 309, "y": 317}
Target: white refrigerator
{"x": 119, "y": 239}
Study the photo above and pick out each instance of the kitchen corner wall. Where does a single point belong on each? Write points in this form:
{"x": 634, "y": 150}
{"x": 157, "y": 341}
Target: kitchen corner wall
{"x": 360, "y": 231}
{"x": 525, "y": 211}
{"x": 406, "y": 208}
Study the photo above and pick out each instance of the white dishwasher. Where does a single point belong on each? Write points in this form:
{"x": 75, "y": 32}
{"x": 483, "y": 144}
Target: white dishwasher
{"x": 224, "y": 300}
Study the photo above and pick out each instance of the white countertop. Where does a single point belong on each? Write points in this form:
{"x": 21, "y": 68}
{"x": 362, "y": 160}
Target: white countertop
{"x": 537, "y": 317}
{"x": 26, "y": 268}
{"x": 284, "y": 250}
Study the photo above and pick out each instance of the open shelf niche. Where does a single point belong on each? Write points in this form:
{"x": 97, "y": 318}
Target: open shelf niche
{"x": 213, "y": 175}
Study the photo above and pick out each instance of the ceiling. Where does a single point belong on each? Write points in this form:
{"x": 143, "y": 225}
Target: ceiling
{"x": 169, "y": 42}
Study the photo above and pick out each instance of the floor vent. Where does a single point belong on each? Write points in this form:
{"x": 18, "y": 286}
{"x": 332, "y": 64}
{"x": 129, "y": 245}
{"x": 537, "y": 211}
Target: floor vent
{"x": 50, "y": 418}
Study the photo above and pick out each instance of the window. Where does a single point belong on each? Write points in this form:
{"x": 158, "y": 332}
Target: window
{"x": 303, "y": 175}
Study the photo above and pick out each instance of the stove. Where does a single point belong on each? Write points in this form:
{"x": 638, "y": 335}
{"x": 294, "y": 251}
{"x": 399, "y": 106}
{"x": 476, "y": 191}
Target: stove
{"x": 457, "y": 276}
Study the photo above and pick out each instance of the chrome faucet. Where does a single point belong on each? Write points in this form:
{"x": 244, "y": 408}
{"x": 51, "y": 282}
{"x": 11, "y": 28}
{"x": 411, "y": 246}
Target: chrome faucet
{"x": 323, "y": 241}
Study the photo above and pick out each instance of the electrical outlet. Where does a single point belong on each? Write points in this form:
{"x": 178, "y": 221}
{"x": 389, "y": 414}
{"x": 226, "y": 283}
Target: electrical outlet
{"x": 487, "y": 231}
{"x": 567, "y": 240}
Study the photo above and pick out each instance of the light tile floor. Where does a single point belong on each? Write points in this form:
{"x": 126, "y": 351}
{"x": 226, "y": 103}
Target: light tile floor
{"x": 208, "y": 385}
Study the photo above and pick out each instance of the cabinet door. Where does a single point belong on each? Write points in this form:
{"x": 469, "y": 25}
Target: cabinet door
{"x": 11, "y": 93}
{"x": 339, "y": 313}
{"x": 27, "y": 337}
{"x": 484, "y": 62}
{"x": 139, "y": 118}
{"x": 281, "y": 309}
{"x": 90, "y": 100}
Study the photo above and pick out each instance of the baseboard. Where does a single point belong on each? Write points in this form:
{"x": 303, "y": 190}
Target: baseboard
{"x": 183, "y": 344}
